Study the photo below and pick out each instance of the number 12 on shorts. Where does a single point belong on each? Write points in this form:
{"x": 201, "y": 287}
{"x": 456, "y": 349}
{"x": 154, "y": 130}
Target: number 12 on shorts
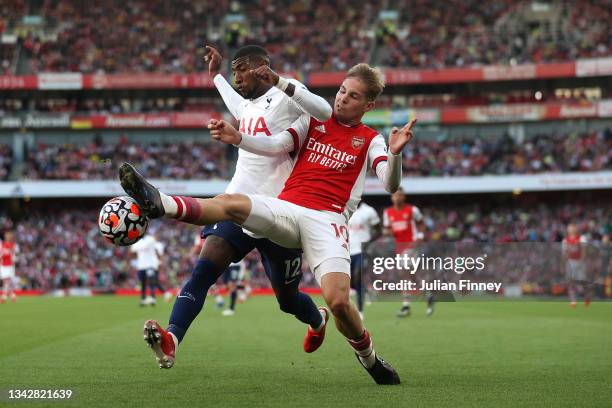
{"x": 293, "y": 268}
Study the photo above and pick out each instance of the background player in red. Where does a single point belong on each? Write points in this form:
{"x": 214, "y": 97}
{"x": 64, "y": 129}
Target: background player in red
{"x": 573, "y": 250}
{"x": 8, "y": 250}
{"x": 404, "y": 222}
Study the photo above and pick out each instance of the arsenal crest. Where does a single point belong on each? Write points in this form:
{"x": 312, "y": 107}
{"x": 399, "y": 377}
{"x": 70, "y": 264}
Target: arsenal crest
{"x": 358, "y": 142}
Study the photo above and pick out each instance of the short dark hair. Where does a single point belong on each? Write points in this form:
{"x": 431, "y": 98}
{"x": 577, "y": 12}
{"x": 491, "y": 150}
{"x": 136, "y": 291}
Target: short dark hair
{"x": 251, "y": 51}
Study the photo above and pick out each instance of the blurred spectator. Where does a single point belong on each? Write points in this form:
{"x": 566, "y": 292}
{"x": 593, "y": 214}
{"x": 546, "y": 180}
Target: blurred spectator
{"x": 542, "y": 153}
{"x": 6, "y": 161}
{"x": 96, "y": 161}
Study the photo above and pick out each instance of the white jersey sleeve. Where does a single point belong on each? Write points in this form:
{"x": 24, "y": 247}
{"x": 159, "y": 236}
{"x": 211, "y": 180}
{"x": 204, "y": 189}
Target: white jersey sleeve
{"x": 373, "y": 217}
{"x": 288, "y": 141}
{"x": 307, "y": 102}
{"x": 232, "y": 99}
{"x": 159, "y": 248}
{"x": 388, "y": 167}
{"x": 386, "y": 222}
{"x": 416, "y": 214}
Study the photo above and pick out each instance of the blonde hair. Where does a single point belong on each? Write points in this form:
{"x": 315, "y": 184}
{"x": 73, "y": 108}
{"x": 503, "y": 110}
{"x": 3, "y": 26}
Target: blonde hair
{"x": 371, "y": 77}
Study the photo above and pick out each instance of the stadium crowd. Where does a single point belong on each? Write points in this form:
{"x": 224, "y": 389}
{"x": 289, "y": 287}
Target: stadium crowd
{"x": 63, "y": 248}
{"x": 162, "y": 36}
{"x": 102, "y": 106}
{"x": 590, "y": 151}
{"x": 461, "y": 156}
{"x": 99, "y": 161}
{"x": 6, "y": 161}
{"x": 476, "y": 32}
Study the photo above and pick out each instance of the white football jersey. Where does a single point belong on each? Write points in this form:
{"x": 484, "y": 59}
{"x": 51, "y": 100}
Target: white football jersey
{"x": 269, "y": 114}
{"x": 361, "y": 226}
{"x": 148, "y": 250}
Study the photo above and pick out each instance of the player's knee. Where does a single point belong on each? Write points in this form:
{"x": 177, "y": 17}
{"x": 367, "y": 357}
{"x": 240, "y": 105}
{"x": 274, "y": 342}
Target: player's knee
{"x": 218, "y": 251}
{"x": 235, "y": 206}
{"x": 339, "y": 306}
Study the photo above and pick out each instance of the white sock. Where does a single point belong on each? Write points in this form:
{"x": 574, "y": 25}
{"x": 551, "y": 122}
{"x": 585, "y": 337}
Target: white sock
{"x": 323, "y": 315}
{"x": 368, "y": 360}
{"x": 169, "y": 204}
{"x": 176, "y": 342}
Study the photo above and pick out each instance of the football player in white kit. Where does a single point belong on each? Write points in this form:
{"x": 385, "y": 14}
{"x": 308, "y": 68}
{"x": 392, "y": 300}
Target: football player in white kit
{"x": 148, "y": 251}
{"x": 265, "y": 104}
{"x": 364, "y": 226}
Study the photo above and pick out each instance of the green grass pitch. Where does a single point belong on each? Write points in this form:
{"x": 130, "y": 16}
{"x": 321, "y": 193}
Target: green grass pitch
{"x": 466, "y": 354}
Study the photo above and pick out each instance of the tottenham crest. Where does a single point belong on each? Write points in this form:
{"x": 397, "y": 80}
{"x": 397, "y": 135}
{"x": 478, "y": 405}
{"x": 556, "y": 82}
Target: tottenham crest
{"x": 358, "y": 142}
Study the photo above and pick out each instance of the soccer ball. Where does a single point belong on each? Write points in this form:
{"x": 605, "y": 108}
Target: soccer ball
{"x": 121, "y": 221}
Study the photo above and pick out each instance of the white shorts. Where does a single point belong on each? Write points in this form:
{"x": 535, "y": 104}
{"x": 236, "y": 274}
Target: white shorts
{"x": 323, "y": 235}
{"x": 575, "y": 270}
{"x": 7, "y": 272}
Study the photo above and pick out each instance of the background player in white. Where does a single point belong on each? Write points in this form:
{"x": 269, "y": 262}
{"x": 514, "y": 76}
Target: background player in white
{"x": 266, "y": 104}
{"x": 9, "y": 250}
{"x": 313, "y": 209}
{"x": 364, "y": 226}
{"x": 234, "y": 279}
{"x": 148, "y": 251}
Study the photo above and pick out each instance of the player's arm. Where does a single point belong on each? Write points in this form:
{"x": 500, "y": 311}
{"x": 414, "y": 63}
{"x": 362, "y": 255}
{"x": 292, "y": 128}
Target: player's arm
{"x": 232, "y": 99}
{"x": 301, "y": 97}
{"x": 277, "y": 144}
{"x": 386, "y": 230}
{"x": 375, "y": 227}
{"x": 417, "y": 216}
{"x": 387, "y": 163}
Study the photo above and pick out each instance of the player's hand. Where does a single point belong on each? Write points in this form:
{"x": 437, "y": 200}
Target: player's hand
{"x": 401, "y": 137}
{"x": 214, "y": 58}
{"x": 265, "y": 74}
{"x": 224, "y": 132}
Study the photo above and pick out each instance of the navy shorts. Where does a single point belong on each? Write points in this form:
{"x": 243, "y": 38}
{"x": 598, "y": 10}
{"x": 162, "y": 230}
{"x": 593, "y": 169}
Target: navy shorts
{"x": 232, "y": 274}
{"x": 356, "y": 270}
{"x": 283, "y": 266}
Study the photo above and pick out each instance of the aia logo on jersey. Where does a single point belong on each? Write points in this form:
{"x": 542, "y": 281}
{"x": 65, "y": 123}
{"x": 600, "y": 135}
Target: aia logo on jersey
{"x": 358, "y": 142}
{"x": 252, "y": 130}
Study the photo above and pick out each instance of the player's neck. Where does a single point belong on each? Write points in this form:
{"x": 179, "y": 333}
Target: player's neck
{"x": 260, "y": 90}
{"x": 398, "y": 206}
{"x": 347, "y": 123}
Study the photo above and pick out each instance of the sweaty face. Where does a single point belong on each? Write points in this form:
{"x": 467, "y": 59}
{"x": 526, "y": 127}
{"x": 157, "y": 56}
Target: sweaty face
{"x": 246, "y": 83}
{"x": 351, "y": 102}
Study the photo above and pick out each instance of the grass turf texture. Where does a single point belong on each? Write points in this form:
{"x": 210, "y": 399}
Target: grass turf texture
{"x": 466, "y": 354}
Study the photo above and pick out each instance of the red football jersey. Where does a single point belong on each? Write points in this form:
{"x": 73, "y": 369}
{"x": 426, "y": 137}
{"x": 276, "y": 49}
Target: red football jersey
{"x": 572, "y": 247}
{"x": 330, "y": 170}
{"x": 402, "y": 222}
{"x": 8, "y": 253}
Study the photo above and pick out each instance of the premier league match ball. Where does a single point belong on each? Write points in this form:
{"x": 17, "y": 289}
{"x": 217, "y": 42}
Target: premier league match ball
{"x": 121, "y": 221}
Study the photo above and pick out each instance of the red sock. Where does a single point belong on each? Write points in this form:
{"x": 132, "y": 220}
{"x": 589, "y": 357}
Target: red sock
{"x": 189, "y": 210}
